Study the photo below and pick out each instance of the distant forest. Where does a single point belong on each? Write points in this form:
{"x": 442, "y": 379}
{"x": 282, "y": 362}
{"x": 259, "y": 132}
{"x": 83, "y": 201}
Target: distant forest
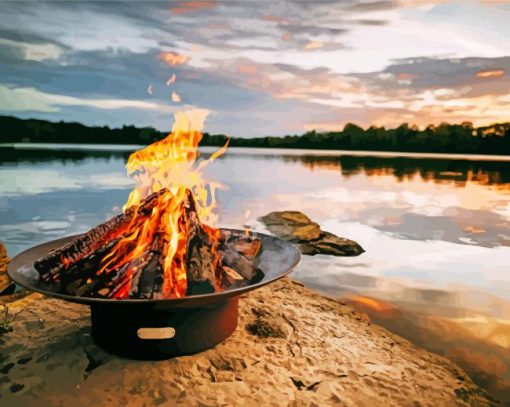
{"x": 443, "y": 138}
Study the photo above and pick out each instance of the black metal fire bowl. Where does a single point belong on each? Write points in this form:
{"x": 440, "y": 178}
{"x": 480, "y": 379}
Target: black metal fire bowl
{"x": 152, "y": 329}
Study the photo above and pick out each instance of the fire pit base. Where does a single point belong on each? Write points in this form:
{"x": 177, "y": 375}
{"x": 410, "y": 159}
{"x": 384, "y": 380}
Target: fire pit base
{"x": 153, "y": 331}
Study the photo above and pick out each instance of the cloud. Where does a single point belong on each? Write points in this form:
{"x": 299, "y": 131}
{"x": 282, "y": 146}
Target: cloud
{"x": 31, "y": 99}
{"x": 495, "y": 73}
{"x": 288, "y": 66}
{"x": 33, "y": 52}
{"x": 314, "y": 45}
{"x": 173, "y": 59}
{"x": 182, "y": 7}
{"x": 83, "y": 26}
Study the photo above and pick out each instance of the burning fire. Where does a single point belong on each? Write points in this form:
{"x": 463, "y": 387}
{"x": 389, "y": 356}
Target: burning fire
{"x": 170, "y": 80}
{"x": 175, "y": 97}
{"x": 171, "y": 164}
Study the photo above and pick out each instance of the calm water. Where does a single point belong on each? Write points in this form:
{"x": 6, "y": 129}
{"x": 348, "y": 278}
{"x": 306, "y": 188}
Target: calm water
{"x": 436, "y": 230}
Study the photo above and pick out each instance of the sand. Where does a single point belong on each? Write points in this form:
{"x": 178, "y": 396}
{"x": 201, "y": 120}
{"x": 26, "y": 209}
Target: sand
{"x": 292, "y": 347}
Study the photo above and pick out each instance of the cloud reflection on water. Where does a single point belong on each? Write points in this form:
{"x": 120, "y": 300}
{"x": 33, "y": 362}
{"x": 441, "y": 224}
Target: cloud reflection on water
{"x": 436, "y": 232}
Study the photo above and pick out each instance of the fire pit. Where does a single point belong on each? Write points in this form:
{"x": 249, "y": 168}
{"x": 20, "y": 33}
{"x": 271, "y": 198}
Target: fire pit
{"x": 152, "y": 329}
{"x": 160, "y": 280}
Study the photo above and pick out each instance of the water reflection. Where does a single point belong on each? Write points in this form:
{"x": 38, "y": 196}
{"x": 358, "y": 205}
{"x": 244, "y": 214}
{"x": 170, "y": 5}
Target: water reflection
{"x": 478, "y": 344}
{"x": 12, "y": 155}
{"x": 436, "y": 232}
{"x": 458, "y": 172}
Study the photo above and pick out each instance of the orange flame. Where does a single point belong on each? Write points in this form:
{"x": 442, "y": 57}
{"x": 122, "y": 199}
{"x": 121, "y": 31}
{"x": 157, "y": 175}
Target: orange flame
{"x": 170, "y": 80}
{"x": 168, "y": 164}
{"x": 67, "y": 262}
{"x": 175, "y": 97}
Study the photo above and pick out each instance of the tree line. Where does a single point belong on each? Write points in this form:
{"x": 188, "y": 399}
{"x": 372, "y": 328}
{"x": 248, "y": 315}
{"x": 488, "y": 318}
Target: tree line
{"x": 444, "y": 138}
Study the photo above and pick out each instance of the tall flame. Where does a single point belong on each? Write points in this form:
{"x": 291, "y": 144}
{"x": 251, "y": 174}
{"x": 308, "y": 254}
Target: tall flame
{"x": 169, "y": 163}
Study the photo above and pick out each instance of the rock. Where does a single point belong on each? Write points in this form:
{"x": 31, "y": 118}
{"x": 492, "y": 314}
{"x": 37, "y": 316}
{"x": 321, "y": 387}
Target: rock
{"x": 7, "y": 287}
{"x": 298, "y": 228}
{"x": 4, "y": 259}
{"x": 307, "y": 232}
{"x": 292, "y": 347}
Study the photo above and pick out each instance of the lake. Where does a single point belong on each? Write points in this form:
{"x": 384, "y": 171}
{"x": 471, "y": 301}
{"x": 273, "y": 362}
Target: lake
{"x": 436, "y": 230}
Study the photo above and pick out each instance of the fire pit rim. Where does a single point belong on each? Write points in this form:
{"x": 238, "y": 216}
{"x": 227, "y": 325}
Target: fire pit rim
{"x": 14, "y": 273}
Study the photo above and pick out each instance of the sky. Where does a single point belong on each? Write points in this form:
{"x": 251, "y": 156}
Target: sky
{"x": 261, "y": 68}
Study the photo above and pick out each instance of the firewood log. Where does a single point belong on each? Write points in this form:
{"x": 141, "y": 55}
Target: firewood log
{"x": 150, "y": 280}
{"x": 124, "y": 284}
{"x": 238, "y": 253}
{"x": 212, "y": 261}
{"x": 238, "y": 262}
{"x": 51, "y": 265}
{"x": 114, "y": 283}
{"x": 84, "y": 271}
{"x": 200, "y": 259}
{"x": 229, "y": 278}
{"x": 248, "y": 245}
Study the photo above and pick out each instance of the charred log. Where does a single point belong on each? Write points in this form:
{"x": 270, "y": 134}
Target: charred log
{"x": 200, "y": 263}
{"x": 57, "y": 260}
{"x": 82, "y": 275}
{"x": 116, "y": 283}
{"x": 238, "y": 262}
{"x": 150, "y": 281}
{"x": 212, "y": 260}
{"x": 229, "y": 278}
{"x": 248, "y": 245}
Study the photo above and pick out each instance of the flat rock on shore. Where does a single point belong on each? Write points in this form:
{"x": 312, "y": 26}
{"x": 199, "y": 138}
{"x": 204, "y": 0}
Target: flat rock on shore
{"x": 298, "y": 228}
{"x": 292, "y": 347}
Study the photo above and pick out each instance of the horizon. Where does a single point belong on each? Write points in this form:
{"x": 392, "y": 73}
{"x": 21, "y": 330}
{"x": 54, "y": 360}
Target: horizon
{"x": 287, "y": 68}
{"x": 364, "y": 128}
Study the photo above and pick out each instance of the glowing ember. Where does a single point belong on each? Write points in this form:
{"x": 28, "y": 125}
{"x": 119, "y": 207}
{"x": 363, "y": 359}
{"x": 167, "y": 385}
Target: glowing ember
{"x": 170, "y": 80}
{"x": 175, "y": 97}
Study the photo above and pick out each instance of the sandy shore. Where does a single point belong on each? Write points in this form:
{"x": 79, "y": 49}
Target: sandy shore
{"x": 292, "y": 347}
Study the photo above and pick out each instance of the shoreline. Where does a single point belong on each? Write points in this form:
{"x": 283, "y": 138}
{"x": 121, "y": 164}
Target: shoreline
{"x": 279, "y": 353}
{"x": 265, "y": 151}
{"x": 291, "y": 344}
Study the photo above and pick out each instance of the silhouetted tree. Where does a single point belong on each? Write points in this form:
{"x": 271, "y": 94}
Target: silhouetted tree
{"x": 443, "y": 138}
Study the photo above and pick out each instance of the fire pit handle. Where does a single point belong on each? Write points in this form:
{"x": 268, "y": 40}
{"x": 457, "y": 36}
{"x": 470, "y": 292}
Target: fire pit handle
{"x": 155, "y": 333}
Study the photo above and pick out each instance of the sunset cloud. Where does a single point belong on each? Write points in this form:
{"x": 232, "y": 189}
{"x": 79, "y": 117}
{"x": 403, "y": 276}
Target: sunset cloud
{"x": 283, "y": 68}
{"x": 314, "y": 45}
{"x": 173, "y": 59}
{"x": 182, "y": 7}
{"x": 496, "y": 73}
